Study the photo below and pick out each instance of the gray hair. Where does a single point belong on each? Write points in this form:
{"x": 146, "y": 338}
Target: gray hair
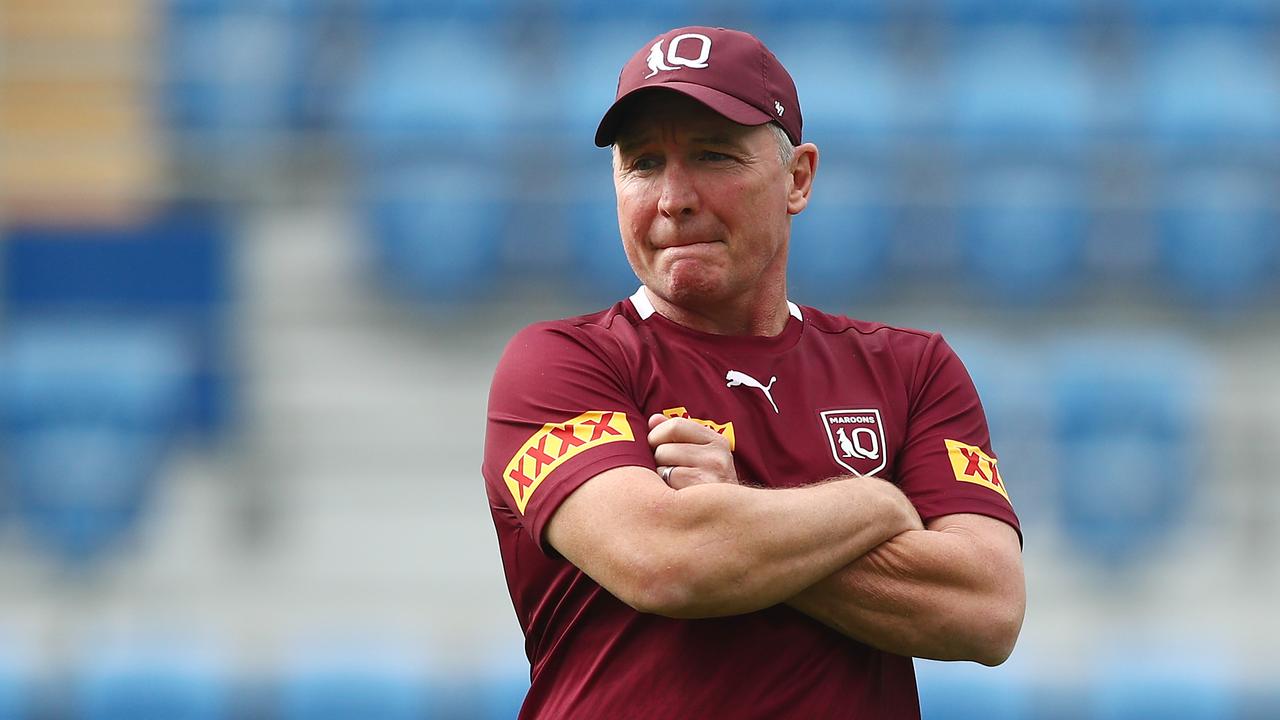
{"x": 786, "y": 150}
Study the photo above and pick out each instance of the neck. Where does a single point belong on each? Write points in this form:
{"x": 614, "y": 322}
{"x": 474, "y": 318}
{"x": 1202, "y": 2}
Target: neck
{"x": 765, "y": 315}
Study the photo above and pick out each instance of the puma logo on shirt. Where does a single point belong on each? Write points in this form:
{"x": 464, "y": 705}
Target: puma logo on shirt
{"x": 736, "y": 378}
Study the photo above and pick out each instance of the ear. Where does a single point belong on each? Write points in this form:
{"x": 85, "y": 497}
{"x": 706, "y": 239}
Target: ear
{"x": 804, "y": 165}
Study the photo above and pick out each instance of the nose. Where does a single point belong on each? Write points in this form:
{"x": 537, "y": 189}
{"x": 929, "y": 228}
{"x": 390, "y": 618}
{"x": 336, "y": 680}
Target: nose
{"x": 679, "y": 196}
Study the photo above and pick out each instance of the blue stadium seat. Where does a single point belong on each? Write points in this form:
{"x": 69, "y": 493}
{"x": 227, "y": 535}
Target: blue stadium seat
{"x": 234, "y": 65}
{"x": 1010, "y": 11}
{"x": 496, "y": 691}
{"x": 1023, "y": 227}
{"x": 434, "y": 229}
{"x": 852, "y": 90}
{"x": 1020, "y": 87}
{"x": 391, "y": 13}
{"x": 355, "y": 683}
{"x": 1214, "y": 87}
{"x": 1219, "y": 236}
{"x": 1242, "y": 12}
{"x": 967, "y": 691}
{"x": 87, "y": 413}
{"x": 839, "y": 249}
{"x": 430, "y": 85}
{"x": 501, "y": 695}
{"x": 1259, "y": 701}
{"x": 579, "y": 14}
{"x": 1181, "y": 684}
{"x": 151, "y": 685}
{"x": 17, "y": 701}
{"x": 1128, "y": 425}
{"x": 174, "y": 266}
{"x": 587, "y": 74}
{"x": 767, "y": 13}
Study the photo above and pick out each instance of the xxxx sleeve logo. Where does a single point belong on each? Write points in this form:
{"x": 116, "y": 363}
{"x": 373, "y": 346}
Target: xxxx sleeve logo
{"x": 555, "y": 444}
{"x": 971, "y": 465}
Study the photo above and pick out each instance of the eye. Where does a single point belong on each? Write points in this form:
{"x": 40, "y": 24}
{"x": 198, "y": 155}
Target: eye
{"x": 644, "y": 163}
{"x": 713, "y": 156}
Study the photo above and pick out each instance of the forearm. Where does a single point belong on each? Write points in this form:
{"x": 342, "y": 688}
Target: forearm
{"x": 735, "y": 549}
{"x": 945, "y": 594}
{"x": 720, "y": 548}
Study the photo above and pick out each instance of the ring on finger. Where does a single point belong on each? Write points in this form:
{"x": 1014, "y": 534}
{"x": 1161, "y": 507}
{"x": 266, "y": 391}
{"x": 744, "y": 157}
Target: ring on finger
{"x": 665, "y": 473}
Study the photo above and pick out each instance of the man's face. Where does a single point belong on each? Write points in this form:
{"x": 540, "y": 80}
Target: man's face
{"x": 702, "y": 202}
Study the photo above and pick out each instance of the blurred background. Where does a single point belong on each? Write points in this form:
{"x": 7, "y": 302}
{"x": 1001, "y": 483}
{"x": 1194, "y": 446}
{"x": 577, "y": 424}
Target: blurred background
{"x": 259, "y": 259}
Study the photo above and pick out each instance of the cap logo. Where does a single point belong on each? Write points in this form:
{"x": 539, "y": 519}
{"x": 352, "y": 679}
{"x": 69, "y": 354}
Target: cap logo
{"x": 672, "y": 59}
{"x": 777, "y": 106}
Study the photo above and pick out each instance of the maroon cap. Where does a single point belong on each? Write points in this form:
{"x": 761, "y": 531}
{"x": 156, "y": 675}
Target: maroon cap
{"x": 729, "y": 71}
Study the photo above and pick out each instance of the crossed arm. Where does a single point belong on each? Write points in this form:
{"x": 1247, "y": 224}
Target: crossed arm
{"x": 850, "y": 552}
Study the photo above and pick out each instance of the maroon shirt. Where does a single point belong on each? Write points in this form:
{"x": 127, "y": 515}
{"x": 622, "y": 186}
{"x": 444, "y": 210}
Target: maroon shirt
{"x": 829, "y": 396}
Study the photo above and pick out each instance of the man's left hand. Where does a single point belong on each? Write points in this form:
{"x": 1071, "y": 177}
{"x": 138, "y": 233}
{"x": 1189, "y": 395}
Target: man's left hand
{"x": 689, "y": 453}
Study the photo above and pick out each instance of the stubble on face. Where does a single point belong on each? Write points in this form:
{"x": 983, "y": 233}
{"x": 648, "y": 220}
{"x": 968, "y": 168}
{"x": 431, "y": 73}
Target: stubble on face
{"x": 701, "y": 205}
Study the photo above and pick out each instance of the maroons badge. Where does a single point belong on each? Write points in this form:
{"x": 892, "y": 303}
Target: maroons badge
{"x": 856, "y": 438}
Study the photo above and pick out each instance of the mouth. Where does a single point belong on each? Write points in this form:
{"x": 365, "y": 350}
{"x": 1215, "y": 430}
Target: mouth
{"x": 686, "y": 244}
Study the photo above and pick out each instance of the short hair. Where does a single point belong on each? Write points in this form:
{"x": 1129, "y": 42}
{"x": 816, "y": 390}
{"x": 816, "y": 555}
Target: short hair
{"x": 786, "y": 149}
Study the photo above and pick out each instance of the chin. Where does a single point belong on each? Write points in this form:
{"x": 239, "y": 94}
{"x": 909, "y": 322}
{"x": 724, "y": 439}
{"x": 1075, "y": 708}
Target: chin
{"x": 692, "y": 287}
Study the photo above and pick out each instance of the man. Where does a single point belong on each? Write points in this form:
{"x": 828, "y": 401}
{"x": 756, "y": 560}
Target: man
{"x": 712, "y": 502}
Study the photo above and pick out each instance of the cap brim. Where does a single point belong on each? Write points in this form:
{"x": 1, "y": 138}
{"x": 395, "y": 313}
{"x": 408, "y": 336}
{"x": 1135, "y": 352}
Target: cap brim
{"x": 722, "y": 103}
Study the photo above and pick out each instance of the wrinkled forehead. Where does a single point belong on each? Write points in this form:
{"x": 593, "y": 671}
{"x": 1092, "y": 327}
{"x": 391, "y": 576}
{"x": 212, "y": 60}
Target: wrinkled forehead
{"x": 660, "y": 112}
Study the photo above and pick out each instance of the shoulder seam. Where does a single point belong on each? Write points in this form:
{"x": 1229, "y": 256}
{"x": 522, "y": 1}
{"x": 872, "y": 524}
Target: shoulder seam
{"x": 926, "y": 334}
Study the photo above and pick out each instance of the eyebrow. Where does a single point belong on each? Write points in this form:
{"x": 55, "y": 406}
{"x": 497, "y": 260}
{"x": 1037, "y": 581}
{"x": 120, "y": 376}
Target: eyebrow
{"x": 627, "y": 143}
{"x": 716, "y": 140}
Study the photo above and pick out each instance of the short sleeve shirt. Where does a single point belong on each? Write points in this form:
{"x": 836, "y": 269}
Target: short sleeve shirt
{"x": 827, "y": 397}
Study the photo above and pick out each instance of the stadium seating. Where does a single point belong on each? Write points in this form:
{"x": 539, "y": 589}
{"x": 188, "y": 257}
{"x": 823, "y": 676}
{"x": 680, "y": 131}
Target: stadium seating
{"x": 429, "y": 85}
{"x": 87, "y": 411}
{"x": 173, "y": 267}
{"x": 765, "y": 13}
{"x": 233, "y": 66}
{"x": 1219, "y": 232}
{"x": 433, "y": 196}
{"x": 586, "y": 73}
{"x": 1180, "y": 684}
{"x": 1129, "y": 448}
{"x": 151, "y": 684}
{"x": 1019, "y": 87}
{"x": 469, "y": 122}
{"x": 16, "y": 697}
{"x": 965, "y": 691}
{"x": 1023, "y": 230}
{"x": 354, "y": 683}
{"x": 433, "y": 228}
{"x": 598, "y": 267}
{"x": 1257, "y": 700}
{"x": 1008, "y": 11}
{"x": 1242, "y": 12}
{"x": 501, "y": 695}
{"x": 494, "y": 691}
{"x": 852, "y": 90}
{"x": 665, "y": 13}
{"x": 395, "y": 12}
{"x": 1211, "y": 90}
{"x": 839, "y": 249}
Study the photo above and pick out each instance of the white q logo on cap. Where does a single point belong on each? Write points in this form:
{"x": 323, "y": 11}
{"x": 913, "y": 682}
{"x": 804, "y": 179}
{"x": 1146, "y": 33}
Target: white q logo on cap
{"x": 671, "y": 60}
